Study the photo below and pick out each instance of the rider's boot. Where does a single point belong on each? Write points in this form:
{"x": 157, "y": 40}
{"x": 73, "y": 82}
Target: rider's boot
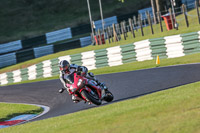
{"x": 76, "y": 99}
{"x": 61, "y": 90}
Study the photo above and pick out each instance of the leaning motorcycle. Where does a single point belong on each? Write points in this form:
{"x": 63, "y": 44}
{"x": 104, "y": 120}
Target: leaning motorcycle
{"x": 90, "y": 93}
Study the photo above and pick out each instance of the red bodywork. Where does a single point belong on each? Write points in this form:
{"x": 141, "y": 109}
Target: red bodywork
{"x": 76, "y": 89}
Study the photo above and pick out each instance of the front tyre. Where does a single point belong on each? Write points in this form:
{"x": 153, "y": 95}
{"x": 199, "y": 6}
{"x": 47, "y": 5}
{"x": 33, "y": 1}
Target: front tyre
{"x": 109, "y": 96}
{"x": 92, "y": 97}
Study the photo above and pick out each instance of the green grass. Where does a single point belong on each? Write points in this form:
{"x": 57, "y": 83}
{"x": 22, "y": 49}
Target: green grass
{"x": 159, "y": 112}
{"x": 9, "y": 111}
{"x": 170, "y": 111}
{"x": 194, "y": 27}
{"x": 27, "y": 18}
{"x": 193, "y": 58}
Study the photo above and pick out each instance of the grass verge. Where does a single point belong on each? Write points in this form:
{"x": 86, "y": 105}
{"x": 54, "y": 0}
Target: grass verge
{"x": 10, "y": 110}
{"x": 194, "y": 27}
{"x": 193, "y": 58}
{"x": 173, "y": 110}
{"x": 159, "y": 112}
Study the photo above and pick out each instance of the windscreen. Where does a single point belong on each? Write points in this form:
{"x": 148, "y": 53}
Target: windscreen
{"x": 70, "y": 78}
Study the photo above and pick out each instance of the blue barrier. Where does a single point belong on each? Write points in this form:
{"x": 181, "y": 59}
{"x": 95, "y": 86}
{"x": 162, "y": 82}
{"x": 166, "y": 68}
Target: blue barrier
{"x": 58, "y": 35}
{"x": 10, "y": 47}
{"x": 7, "y": 59}
{"x": 42, "y": 51}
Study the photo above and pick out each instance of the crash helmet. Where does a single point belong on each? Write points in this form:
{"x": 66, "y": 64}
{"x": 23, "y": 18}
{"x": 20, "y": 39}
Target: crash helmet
{"x": 64, "y": 66}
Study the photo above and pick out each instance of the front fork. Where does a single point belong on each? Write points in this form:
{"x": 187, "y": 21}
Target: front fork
{"x": 93, "y": 84}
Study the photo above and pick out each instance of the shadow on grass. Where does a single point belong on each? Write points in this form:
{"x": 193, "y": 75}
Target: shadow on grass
{"x": 8, "y": 117}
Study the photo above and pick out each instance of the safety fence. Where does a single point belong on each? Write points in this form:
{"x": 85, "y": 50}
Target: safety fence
{"x": 177, "y": 18}
{"x": 53, "y": 37}
{"x": 58, "y": 35}
{"x": 166, "y": 47}
{"x": 31, "y": 53}
{"x": 11, "y": 46}
{"x": 133, "y": 21}
{"x": 115, "y": 29}
{"x": 23, "y": 50}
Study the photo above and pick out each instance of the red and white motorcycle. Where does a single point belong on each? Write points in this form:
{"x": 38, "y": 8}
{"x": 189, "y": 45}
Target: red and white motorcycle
{"x": 91, "y": 93}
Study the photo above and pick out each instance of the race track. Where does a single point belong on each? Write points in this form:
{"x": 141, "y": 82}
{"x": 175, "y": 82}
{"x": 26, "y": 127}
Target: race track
{"x": 123, "y": 86}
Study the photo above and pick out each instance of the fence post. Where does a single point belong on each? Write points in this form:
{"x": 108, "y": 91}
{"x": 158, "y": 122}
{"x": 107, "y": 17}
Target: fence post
{"x": 140, "y": 21}
{"x": 108, "y": 35}
{"x": 197, "y": 7}
{"x": 118, "y": 32}
{"x": 131, "y": 27}
{"x": 186, "y": 18}
{"x": 125, "y": 28}
{"x": 149, "y": 21}
{"x": 111, "y": 33}
{"x": 115, "y": 34}
{"x": 118, "y": 29}
{"x": 97, "y": 37}
{"x": 135, "y": 22}
{"x": 92, "y": 38}
{"x": 160, "y": 21}
{"x": 99, "y": 32}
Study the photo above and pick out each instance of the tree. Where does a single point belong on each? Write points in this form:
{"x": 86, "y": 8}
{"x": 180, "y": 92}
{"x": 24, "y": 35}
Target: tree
{"x": 162, "y": 5}
{"x": 122, "y": 1}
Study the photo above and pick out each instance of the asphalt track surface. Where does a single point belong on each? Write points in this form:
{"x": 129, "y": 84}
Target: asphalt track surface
{"x": 124, "y": 85}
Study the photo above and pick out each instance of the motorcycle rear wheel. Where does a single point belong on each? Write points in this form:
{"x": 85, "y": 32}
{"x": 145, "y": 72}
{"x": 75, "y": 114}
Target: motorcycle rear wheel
{"x": 91, "y": 97}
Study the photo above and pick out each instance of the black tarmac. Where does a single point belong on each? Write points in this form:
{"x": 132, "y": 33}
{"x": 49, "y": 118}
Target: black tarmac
{"x": 124, "y": 85}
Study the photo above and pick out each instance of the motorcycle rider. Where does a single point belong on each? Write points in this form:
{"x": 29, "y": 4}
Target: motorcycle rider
{"x": 66, "y": 68}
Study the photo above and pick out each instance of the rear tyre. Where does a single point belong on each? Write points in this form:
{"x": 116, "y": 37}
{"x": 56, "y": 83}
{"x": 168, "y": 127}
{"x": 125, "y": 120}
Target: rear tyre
{"x": 91, "y": 97}
{"x": 109, "y": 96}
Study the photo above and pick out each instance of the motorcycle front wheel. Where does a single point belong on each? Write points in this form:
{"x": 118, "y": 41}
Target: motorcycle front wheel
{"x": 109, "y": 96}
{"x": 92, "y": 97}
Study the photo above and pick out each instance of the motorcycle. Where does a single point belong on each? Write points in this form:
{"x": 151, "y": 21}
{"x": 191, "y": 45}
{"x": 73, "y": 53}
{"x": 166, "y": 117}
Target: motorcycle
{"x": 90, "y": 93}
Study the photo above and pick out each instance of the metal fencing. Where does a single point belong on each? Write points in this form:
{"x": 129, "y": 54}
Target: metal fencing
{"x": 181, "y": 17}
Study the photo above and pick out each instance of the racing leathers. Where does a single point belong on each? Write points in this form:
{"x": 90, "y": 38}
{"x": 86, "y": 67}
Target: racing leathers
{"x": 74, "y": 68}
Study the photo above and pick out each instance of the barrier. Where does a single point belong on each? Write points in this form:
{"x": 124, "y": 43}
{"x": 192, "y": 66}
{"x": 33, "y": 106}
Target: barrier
{"x": 174, "y": 46}
{"x": 114, "y": 56}
{"x": 158, "y": 47}
{"x": 42, "y": 51}
{"x": 167, "y": 47}
{"x": 58, "y": 35}
{"x": 88, "y": 60}
{"x": 101, "y": 58}
{"x": 9, "y": 59}
{"x": 10, "y": 47}
{"x": 67, "y": 45}
{"x": 25, "y": 55}
{"x": 143, "y": 51}
{"x": 128, "y": 53}
{"x": 107, "y": 22}
{"x": 191, "y": 42}
{"x": 34, "y": 42}
{"x": 85, "y": 41}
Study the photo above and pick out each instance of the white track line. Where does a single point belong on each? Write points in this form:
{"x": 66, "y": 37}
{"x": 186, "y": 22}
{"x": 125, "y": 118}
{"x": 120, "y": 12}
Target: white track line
{"x": 46, "y": 109}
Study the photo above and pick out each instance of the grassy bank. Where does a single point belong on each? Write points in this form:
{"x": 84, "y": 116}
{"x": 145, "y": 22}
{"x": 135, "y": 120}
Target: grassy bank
{"x": 27, "y": 18}
{"x": 174, "y": 110}
{"x": 194, "y": 27}
{"x": 193, "y": 58}
{"x": 9, "y": 111}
